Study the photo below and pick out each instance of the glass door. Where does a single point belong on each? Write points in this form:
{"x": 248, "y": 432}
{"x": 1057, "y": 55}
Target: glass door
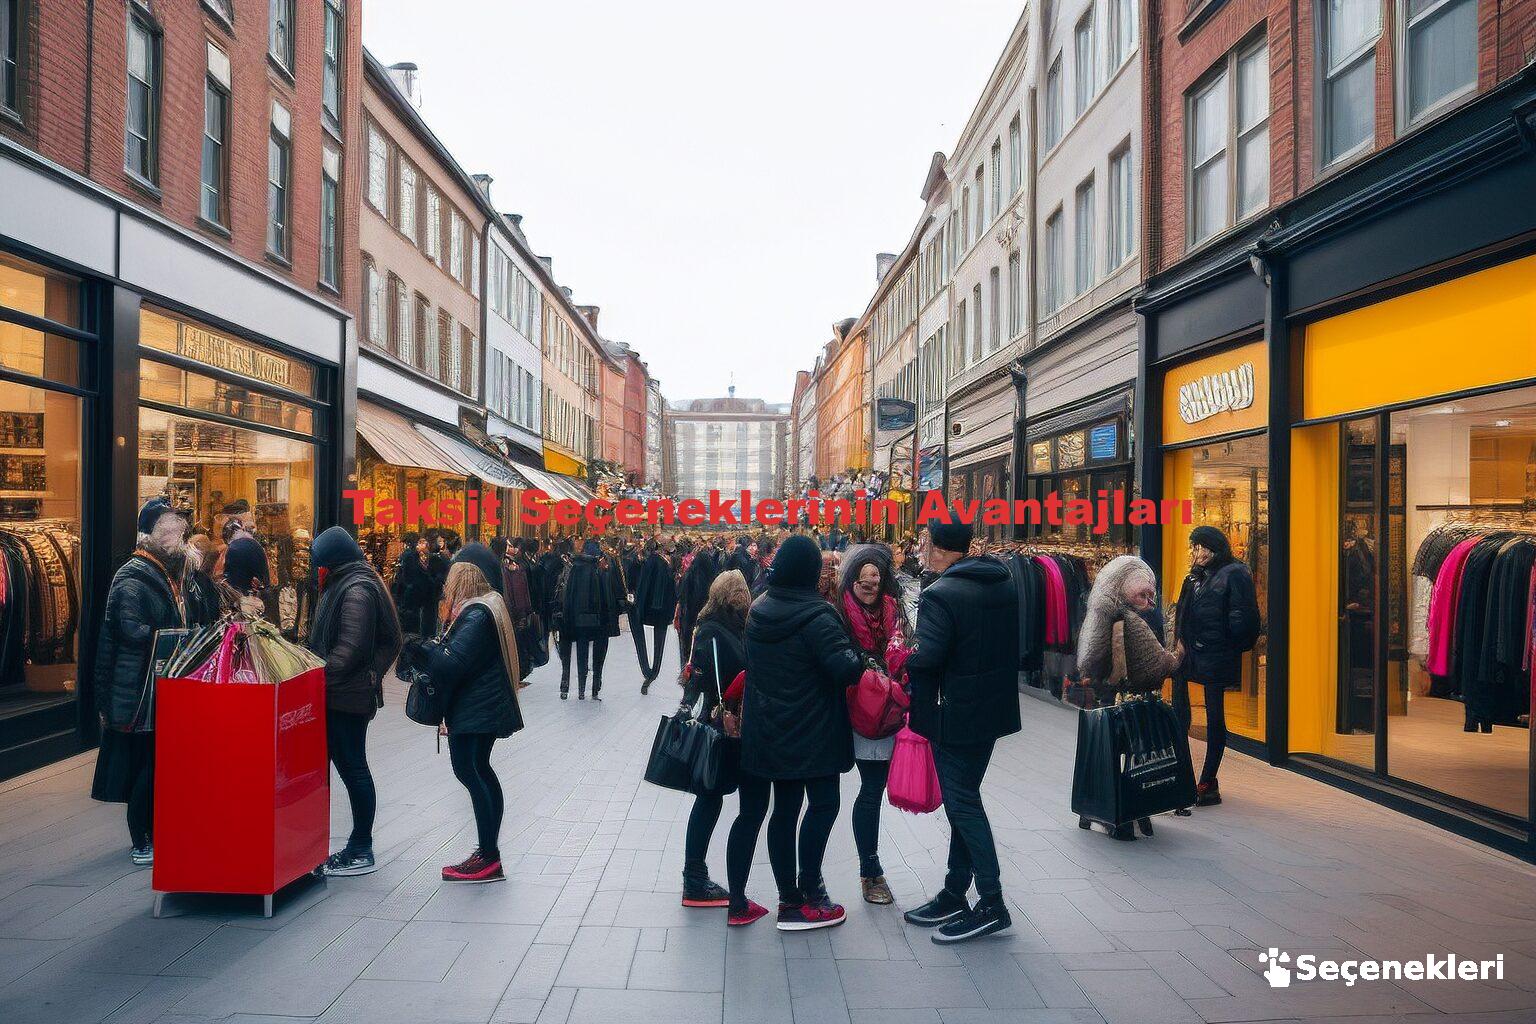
{"x": 1356, "y": 711}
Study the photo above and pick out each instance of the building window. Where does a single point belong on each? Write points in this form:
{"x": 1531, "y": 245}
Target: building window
{"x": 997, "y": 178}
{"x": 1122, "y": 207}
{"x": 474, "y": 264}
{"x": 1347, "y": 38}
{"x": 1052, "y": 120}
{"x": 456, "y": 246}
{"x": 1229, "y": 143}
{"x": 335, "y": 41}
{"x": 442, "y": 366}
{"x": 1085, "y": 235}
{"x": 373, "y": 303}
{"x": 403, "y": 343}
{"x": 976, "y": 324}
{"x": 215, "y": 164}
{"x": 330, "y": 209}
{"x": 433, "y": 240}
{"x": 995, "y": 339}
{"x": 10, "y": 55}
{"x": 1055, "y": 257}
{"x": 1122, "y": 31}
{"x": 957, "y": 360}
{"x": 405, "y": 208}
{"x": 143, "y": 123}
{"x": 1439, "y": 53}
{"x": 981, "y": 203}
{"x": 424, "y": 320}
{"x": 280, "y": 32}
{"x": 378, "y": 171}
{"x": 1015, "y": 156}
{"x": 1086, "y": 68}
{"x": 279, "y": 150}
{"x": 1015, "y": 295}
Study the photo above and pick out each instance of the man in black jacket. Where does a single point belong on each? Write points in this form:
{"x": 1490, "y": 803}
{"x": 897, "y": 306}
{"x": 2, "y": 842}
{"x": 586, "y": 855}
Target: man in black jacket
{"x": 357, "y": 632}
{"x": 965, "y": 696}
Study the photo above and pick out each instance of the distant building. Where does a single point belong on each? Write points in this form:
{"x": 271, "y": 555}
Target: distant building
{"x": 728, "y": 444}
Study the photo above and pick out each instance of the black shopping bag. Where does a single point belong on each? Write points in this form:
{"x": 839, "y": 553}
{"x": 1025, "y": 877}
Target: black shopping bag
{"x": 703, "y": 748}
{"x": 1096, "y": 773}
{"x": 664, "y": 769}
{"x": 1132, "y": 762}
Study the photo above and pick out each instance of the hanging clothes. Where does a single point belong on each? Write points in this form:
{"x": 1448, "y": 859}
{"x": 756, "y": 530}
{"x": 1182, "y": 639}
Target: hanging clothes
{"x": 1443, "y": 606}
{"x": 1058, "y": 630}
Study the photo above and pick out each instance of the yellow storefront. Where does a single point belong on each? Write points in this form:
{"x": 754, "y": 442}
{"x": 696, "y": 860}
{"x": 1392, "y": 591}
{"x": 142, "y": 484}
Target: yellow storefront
{"x": 1413, "y": 531}
{"x": 1215, "y": 455}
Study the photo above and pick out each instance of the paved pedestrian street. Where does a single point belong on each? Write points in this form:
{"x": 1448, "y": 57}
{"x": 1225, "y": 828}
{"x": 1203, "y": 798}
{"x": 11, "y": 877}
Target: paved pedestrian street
{"x": 588, "y": 928}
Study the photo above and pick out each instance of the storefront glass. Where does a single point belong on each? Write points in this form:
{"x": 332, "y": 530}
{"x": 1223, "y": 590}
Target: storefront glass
{"x": 1079, "y": 463}
{"x": 384, "y": 543}
{"x": 1227, "y": 482}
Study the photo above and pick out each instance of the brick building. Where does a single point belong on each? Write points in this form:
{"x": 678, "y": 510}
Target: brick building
{"x": 177, "y": 227}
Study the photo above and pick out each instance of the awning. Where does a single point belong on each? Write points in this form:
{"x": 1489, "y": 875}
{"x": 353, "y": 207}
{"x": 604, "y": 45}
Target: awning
{"x": 556, "y": 462}
{"x": 538, "y": 478}
{"x": 397, "y": 443}
{"x": 472, "y": 461}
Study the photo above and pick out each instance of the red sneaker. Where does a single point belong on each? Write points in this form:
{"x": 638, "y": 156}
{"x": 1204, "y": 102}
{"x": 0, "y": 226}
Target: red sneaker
{"x": 741, "y": 918}
{"x": 822, "y": 913}
{"x": 478, "y": 868}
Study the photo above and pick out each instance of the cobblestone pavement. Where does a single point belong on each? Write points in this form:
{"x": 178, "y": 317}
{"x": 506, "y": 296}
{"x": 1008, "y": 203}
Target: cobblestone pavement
{"x": 588, "y": 929}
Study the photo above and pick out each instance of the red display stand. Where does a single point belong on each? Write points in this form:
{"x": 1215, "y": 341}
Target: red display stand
{"x": 242, "y": 785}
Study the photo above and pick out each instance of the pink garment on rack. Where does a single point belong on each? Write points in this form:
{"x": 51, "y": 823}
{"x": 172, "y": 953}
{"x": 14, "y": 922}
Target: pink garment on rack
{"x": 1530, "y": 633}
{"x": 1442, "y": 608}
{"x": 1058, "y": 630}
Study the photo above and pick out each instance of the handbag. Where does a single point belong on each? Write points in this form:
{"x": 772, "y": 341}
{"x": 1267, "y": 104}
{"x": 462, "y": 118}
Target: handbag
{"x": 913, "y": 785}
{"x": 730, "y": 721}
{"x": 662, "y": 768}
{"x": 1132, "y": 762}
{"x": 877, "y": 705}
{"x": 422, "y": 704}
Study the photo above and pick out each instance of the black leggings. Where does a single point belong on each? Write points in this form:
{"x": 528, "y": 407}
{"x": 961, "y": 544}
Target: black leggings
{"x": 866, "y": 815}
{"x": 701, "y": 827}
{"x": 598, "y": 648}
{"x": 346, "y": 738}
{"x": 1215, "y": 724}
{"x": 649, "y": 669}
{"x": 141, "y": 798}
{"x": 821, "y": 795}
{"x": 470, "y": 754}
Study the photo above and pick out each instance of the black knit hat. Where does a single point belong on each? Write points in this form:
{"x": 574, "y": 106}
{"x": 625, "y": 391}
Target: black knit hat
{"x": 952, "y": 536}
{"x": 334, "y": 548}
{"x": 1212, "y": 539}
{"x": 480, "y": 557}
{"x": 797, "y": 563}
{"x": 245, "y": 564}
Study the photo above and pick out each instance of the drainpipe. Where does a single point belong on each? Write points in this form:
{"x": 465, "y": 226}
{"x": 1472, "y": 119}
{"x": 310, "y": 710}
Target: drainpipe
{"x": 90, "y": 78}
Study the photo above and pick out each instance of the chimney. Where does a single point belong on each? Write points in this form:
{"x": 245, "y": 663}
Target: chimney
{"x": 407, "y": 78}
{"x": 590, "y": 312}
{"x": 884, "y": 261}
{"x": 483, "y": 183}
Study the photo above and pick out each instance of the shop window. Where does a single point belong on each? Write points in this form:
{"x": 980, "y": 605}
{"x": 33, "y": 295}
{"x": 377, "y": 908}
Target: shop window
{"x": 30, "y": 348}
{"x": 163, "y": 384}
{"x": 166, "y": 333}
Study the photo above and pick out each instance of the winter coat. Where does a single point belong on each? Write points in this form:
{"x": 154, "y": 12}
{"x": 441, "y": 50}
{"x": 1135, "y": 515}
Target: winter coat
{"x": 358, "y": 634}
{"x": 139, "y": 602}
{"x": 794, "y": 722}
{"x": 468, "y": 670}
{"x": 743, "y": 561}
{"x": 714, "y": 634}
{"x": 551, "y": 570}
{"x": 1443, "y": 605}
{"x": 517, "y": 589}
{"x": 965, "y": 671}
{"x": 1030, "y": 585}
{"x": 1141, "y": 662}
{"x": 694, "y": 591}
{"x": 655, "y": 592}
{"x": 1217, "y": 617}
{"x": 588, "y": 607}
{"x": 413, "y": 586}
{"x": 204, "y": 605}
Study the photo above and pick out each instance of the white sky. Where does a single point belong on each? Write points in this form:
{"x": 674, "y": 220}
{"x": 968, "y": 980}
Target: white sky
{"x": 716, "y": 176}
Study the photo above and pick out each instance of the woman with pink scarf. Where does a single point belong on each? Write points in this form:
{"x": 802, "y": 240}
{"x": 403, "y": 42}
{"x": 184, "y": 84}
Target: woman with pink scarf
{"x": 869, "y": 599}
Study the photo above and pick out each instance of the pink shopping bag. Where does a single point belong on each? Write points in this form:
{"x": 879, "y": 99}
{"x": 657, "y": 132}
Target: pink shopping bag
{"x": 914, "y": 782}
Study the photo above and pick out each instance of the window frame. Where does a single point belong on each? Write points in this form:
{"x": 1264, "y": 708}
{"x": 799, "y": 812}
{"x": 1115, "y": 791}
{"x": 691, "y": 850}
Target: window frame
{"x": 12, "y": 55}
{"x": 997, "y": 177}
{"x": 1055, "y": 256}
{"x": 371, "y": 132}
{"x": 284, "y": 147}
{"x": 212, "y": 87}
{"x": 407, "y": 221}
{"x": 1122, "y": 43}
{"x": 978, "y": 343}
{"x": 375, "y": 323}
{"x": 1121, "y": 243}
{"x": 139, "y": 19}
{"x": 1085, "y": 233}
{"x": 1015, "y": 294}
{"x": 1053, "y": 124}
{"x": 1083, "y": 99}
{"x": 1403, "y": 71}
{"x": 285, "y": 60}
{"x": 1226, "y": 69}
{"x": 995, "y": 335}
{"x": 332, "y": 68}
{"x": 330, "y": 223}
{"x": 1323, "y": 82}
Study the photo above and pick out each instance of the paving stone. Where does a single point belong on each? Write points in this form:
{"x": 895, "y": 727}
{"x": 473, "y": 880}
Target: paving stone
{"x": 608, "y": 1006}
{"x": 599, "y": 958}
{"x": 1134, "y": 997}
{"x": 894, "y": 985}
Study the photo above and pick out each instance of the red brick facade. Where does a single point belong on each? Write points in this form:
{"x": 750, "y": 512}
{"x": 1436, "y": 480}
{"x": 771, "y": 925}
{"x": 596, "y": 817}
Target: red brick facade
{"x": 63, "y": 38}
{"x": 636, "y": 381}
{"x": 1210, "y": 29}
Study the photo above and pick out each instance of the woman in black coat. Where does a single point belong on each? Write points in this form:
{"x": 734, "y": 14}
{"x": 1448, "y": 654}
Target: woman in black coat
{"x": 1217, "y": 620}
{"x": 586, "y": 616}
{"x": 414, "y": 589}
{"x": 718, "y": 656}
{"x": 474, "y": 670}
{"x": 691, "y": 596}
{"x": 357, "y": 632}
{"x": 795, "y": 737}
{"x": 655, "y": 605}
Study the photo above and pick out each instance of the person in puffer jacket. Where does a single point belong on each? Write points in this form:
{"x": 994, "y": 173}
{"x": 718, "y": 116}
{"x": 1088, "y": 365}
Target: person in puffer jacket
{"x": 357, "y": 631}
{"x": 795, "y": 739}
{"x": 474, "y": 670}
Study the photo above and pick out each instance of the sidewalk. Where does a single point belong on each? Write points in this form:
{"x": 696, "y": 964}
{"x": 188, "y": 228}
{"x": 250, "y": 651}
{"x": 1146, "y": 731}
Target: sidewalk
{"x": 588, "y": 930}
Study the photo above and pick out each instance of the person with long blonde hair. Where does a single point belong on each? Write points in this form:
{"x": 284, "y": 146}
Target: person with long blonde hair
{"x": 474, "y": 669}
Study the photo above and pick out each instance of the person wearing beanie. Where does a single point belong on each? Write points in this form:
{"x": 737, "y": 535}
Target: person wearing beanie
{"x": 246, "y": 576}
{"x": 357, "y": 632}
{"x": 482, "y": 558}
{"x": 965, "y": 697}
{"x": 145, "y": 596}
{"x": 587, "y": 617}
{"x": 1217, "y": 620}
{"x": 796, "y": 739}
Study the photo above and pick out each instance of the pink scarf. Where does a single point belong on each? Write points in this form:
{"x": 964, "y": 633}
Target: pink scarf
{"x": 873, "y": 627}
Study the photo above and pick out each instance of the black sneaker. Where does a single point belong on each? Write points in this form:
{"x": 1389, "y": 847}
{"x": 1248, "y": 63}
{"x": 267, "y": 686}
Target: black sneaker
{"x": 988, "y": 916}
{"x": 944, "y": 907}
{"x": 704, "y": 894}
{"x": 348, "y": 863}
{"x": 822, "y": 913}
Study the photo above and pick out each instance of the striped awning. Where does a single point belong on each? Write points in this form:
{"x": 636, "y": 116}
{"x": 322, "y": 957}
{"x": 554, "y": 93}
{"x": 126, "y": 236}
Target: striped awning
{"x": 397, "y": 442}
{"x": 472, "y": 461}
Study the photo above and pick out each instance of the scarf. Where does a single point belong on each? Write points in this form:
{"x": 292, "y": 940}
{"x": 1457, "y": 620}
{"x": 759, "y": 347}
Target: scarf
{"x": 493, "y": 603}
{"x": 873, "y": 627}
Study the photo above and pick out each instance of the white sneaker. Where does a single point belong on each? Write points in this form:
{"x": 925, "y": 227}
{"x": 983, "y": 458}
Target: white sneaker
{"x": 143, "y": 856}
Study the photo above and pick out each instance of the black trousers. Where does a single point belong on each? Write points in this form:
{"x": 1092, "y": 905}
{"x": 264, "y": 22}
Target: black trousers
{"x": 701, "y": 828}
{"x": 346, "y": 737}
{"x": 470, "y": 755}
{"x": 598, "y": 649}
{"x": 1215, "y": 723}
{"x": 789, "y": 836}
{"x": 972, "y": 853}
{"x": 649, "y": 668}
{"x": 684, "y": 644}
{"x": 141, "y": 798}
{"x": 873, "y": 776}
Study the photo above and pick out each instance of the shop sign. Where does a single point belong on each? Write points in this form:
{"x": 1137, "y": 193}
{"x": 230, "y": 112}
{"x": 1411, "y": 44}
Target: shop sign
{"x": 1212, "y": 393}
{"x": 1104, "y": 442}
{"x": 228, "y": 354}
